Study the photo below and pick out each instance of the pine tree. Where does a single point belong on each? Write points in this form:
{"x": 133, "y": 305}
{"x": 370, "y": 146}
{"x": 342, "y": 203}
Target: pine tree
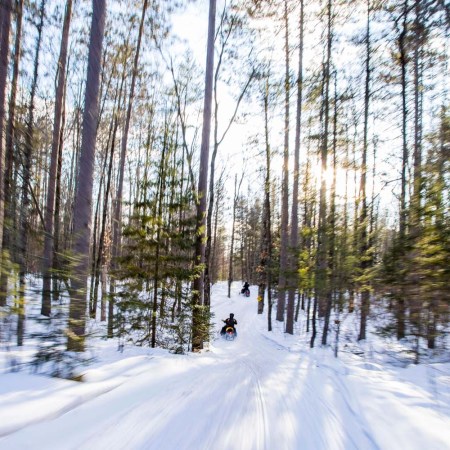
{"x": 83, "y": 197}
{"x": 197, "y": 302}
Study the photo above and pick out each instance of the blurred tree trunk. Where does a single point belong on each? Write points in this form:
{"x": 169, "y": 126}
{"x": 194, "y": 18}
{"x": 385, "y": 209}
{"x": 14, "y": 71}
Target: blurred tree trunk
{"x": 332, "y": 225}
{"x": 49, "y": 210}
{"x": 26, "y": 185}
{"x": 56, "y": 219}
{"x": 321, "y": 278}
{"x": 285, "y": 182}
{"x": 293, "y": 282}
{"x": 5, "y": 144}
{"x": 266, "y": 239}
{"x": 418, "y": 94}
{"x": 363, "y": 219}
{"x": 402, "y": 226}
{"x": 84, "y": 186}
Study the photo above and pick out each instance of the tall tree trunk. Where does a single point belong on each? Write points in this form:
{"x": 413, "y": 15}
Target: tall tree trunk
{"x": 217, "y": 142}
{"x": 235, "y": 201}
{"x": 266, "y": 244}
{"x": 6, "y": 153}
{"x": 285, "y": 183}
{"x": 402, "y": 226}
{"x": 294, "y": 215}
{"x": 26, "y": 188}
{"x": 198, "y": 288}
{"x": 159, "y": 225}
{"x": 332, "y": 225}
{"x": 363, "y": 220}
{"x": 321, "y": 278}
{"x": 5, "y": 10}
{"x": 85, "y": 179}
{"x": 56, "y": 219}
{"x": 418, "y": 88}
{"x": 49, "y": 210}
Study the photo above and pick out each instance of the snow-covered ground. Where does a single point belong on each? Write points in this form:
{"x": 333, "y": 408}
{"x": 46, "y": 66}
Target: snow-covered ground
{"x": 263, "y": 391}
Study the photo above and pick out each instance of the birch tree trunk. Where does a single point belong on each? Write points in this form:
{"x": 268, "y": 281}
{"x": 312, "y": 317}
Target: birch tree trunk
{"x": 85, "y": 178}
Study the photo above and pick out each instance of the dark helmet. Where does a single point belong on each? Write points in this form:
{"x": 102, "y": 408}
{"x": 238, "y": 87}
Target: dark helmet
{"x": 231, "y": 315}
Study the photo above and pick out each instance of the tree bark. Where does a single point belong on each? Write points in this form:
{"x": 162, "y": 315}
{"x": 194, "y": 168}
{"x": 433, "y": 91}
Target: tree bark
{"x": 285, "y": 183}
{"x": 85, "y": 178}
{"x": 56, "y": 220}
{"x": 418, "y": 88}
{"x": 199, "y": 259}
{"x": 294, "y": 214}
{"x": 5, "y": 9}
{"x": 363, "y": 220}
{"x": 266, "y": 241}
{"x": 332, "y": 226}
{"x": 321, "y": 278}
{"x": 49, "y": 210}
{"x": 26, "y": 188}
{"x": 6, "y": 152}
{"x": 402, "y": 226}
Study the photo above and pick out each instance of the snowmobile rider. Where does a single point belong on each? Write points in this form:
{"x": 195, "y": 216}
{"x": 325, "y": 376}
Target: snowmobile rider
{"x": 229, "y": 322}
{"x": 245, "y": 287}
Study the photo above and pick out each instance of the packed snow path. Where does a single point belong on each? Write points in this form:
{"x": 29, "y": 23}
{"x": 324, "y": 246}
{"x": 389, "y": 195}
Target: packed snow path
{"x": 251, "y": 393}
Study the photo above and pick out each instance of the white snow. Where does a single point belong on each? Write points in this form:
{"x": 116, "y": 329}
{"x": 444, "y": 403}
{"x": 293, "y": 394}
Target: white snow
{"x": 262, "y": 391}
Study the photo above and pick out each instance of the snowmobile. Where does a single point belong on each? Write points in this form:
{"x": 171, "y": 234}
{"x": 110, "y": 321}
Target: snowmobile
{"x": 230, "y": 334}
{"x": 228, "y": 331}
{"x": 245, "y": 289}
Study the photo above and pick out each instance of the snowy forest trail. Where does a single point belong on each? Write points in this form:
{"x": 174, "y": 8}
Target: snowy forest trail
{"x": 253, "y": 393}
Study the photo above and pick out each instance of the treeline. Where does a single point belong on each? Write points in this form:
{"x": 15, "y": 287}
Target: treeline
{"x": 119, "y": 190}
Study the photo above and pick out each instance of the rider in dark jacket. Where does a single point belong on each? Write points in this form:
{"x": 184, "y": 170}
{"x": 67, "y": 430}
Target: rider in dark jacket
{"x": 229, "y": 322}
{"x": 245, "y": 287}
